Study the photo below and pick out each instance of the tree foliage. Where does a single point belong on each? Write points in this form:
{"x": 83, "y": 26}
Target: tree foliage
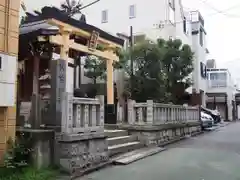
{"x": 177, "y": 60}
{"x": 146, "y": 82}
{"x": 161, "y": 70}
{"x": 95, "y": 68}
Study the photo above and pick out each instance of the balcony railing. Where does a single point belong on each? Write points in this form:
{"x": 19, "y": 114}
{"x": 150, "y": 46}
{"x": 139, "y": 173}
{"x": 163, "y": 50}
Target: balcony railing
{"x": 217, "y": 83}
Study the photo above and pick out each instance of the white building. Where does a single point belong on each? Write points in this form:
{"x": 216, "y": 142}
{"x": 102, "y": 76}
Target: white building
{"x": 156, "y": 19}
{"x": 200, "y": 52}
{"x": 221, "y": 92}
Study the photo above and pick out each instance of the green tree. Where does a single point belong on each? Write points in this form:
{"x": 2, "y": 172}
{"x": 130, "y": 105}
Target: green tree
{"x": 148, "y": 78}
{"x": 95, "y": 68}
{"x": 161, "y": 70}
{"x": 177, "y": 60}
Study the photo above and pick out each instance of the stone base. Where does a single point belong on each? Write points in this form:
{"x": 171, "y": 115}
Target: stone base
{"x": 42, "y": 144}
{"x": 158, "y": 135}
{"x": 80, "y": 153}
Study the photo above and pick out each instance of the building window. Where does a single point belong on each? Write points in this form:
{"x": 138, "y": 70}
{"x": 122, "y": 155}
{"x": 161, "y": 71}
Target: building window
{"x": 171, "y": 15}
{"x": 105, "y": 16}
{"x": 132, "y": 11}
{"x": 172, "y": 4}
{"x": 203, "y": 70}
{"x": 218, "y": 79}
{"x": 218, "y": 76}
{"x": 0, "y": 63}
{"x": 184, "y": 25}
{"x": 201, "y": 37}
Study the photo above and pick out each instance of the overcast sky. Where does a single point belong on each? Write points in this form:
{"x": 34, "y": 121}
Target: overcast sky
{"x": 222, "y": 18}
{"x": 222, "y": 23}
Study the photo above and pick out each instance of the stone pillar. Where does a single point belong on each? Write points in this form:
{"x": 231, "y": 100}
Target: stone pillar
{"x": 66, "y": 113}
{"x": 150, "y": 119}
{"x": 119, "y": 113}
{"x": 58, "y": 87}
{"x": 131, "y": 112}
{"x": 101, "y": 121}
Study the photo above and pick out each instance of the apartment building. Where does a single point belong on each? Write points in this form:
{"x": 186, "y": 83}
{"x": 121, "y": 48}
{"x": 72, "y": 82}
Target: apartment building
{"x": 221, "y": 92}
{"x": 199, "y": 46}
{"x": 154, "y": 19}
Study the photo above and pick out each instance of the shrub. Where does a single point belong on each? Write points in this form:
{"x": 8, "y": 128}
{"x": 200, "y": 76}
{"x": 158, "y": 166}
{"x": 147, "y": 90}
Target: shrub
{"x": 18, "y": 152}
{"x": 29, "y": 174}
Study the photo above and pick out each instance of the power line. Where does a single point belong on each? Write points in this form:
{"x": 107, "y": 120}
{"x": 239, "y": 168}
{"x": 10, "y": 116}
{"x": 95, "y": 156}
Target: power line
{"x": 223, "y": 12}
{"x": 226, "y": 10}
{"x": 220, "y": 11}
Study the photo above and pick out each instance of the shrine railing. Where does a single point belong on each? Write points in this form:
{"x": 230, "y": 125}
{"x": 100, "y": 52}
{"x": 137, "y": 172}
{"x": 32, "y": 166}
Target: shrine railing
{"x": 82, "y": 115}
{"x": 156, "y": 113}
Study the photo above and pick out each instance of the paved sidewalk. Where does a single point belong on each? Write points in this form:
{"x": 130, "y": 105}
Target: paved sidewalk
{"x": 211, "y": 156}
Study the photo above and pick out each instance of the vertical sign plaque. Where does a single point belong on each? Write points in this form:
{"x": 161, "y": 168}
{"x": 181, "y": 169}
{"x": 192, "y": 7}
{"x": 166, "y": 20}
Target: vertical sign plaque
{"x": 58, "y": 87}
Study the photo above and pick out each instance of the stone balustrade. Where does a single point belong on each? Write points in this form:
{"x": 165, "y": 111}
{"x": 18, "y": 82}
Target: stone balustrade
{"x": 82, "y": 115}
{"x": 151, "y": 113}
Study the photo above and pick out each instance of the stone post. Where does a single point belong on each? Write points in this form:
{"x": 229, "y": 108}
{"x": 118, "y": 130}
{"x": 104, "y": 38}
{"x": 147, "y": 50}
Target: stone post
{"x": 101, "y": 113}
{"x": 131, "y": 112}
{"x": 67, "y": 113}
{"x": 58, "y": 87}
{"x": 150, "y": 119}
{"x": 119, "y": 113}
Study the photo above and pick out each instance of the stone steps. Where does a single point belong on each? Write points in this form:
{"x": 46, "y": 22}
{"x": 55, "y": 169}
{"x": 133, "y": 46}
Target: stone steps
{"x": 119, "y": 141}
{"x": 136, "y": 155}
{"x": 123, "y": 148}
{"x": 115, "y": 133}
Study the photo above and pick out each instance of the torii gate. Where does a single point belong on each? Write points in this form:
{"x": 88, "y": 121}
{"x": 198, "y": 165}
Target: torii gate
{"x": 65, "y": 43}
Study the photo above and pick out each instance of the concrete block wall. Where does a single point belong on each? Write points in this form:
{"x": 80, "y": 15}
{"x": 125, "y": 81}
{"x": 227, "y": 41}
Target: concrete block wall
{"x": 161, "y": 135}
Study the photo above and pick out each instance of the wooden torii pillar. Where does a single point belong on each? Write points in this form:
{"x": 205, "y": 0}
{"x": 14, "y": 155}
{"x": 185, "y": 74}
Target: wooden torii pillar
{"x": 64, "y": 41}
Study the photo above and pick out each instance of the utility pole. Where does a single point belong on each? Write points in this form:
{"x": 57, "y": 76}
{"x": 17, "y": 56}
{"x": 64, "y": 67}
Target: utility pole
{"x": 131, "y": 58}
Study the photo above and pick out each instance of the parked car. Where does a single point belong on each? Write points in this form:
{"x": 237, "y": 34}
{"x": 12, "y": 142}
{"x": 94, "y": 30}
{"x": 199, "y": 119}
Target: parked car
{"x": 213, "y": 113}
{"x": 216, "y": 116}
{"x": 207, "y": 120}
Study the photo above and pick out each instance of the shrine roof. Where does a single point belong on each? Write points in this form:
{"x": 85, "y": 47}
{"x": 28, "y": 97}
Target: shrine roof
{"x": 38, "y": 25}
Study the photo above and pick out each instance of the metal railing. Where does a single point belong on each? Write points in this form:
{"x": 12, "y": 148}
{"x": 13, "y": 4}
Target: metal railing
{"x": 217, "y": 83}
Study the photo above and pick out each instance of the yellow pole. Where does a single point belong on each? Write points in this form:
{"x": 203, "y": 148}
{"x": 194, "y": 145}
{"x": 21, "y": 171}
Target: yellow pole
{"x": 65, "y": 46}
{"x": 110, "y": 88}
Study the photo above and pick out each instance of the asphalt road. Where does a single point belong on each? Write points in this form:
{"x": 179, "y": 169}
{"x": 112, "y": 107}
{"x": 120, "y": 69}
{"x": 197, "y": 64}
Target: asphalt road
{"x": 211, "y": 156}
